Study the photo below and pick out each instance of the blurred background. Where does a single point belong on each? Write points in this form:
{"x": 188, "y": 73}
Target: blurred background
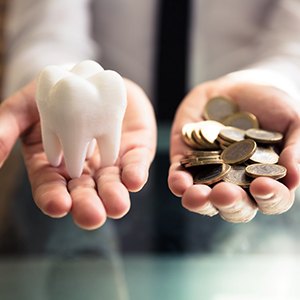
{"x": 158, "y": 251}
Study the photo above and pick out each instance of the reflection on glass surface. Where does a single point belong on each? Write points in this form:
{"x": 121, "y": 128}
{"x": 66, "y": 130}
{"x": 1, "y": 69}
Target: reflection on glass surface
{"x": 202, "y": 276}
{"x": 158, "y": 251}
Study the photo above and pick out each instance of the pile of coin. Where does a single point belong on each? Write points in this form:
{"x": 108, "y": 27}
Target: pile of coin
{"x": 229, "y": 146}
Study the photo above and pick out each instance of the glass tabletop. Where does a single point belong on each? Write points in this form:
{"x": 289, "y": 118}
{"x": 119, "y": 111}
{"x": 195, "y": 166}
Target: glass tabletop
{"x": 211, "y": 277}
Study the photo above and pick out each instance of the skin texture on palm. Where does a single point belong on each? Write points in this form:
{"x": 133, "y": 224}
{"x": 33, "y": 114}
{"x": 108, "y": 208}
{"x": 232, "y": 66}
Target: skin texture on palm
{"x": 100, "y": 192}
{"x": 270, "y": 105}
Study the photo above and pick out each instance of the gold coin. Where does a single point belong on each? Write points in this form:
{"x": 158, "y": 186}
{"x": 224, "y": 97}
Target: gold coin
{"x": 223, "y": 144}
{"x": 197, "y": 163}
{"x": 266, "y": 170}
{"x": 210, "y": 157}
{"x": 264, "y": 136}
{"x": 238, "y": 152}
{"x": 203, "y": 153}
{"x": 209, "y": 130}
{"x": 185, "y": 161}
{"x": 265, "y": 155}
{"x": 193, "y": 160}
{"x": 243, "y": 120}
{"x": 190, "y": 141}
{"x": 187, "y": 140}
{"x": 186, "y": 132}
{"x": 205, "y": 139}
{"x": 232, "y": 134}
{"x": 203, "y": 144}
{"x": 237, "y": 175}
{"x": 211, "y": 174}
{"x": 218, "y": 108}
{"x": 188, "y": 128}
{"x": 213, "y": 156}
{"x": 197, "y": 137}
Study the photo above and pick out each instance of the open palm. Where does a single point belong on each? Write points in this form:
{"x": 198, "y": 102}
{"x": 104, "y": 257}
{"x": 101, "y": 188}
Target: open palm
{"x": 100, "y": 192}
{"x": 271, "y": 107}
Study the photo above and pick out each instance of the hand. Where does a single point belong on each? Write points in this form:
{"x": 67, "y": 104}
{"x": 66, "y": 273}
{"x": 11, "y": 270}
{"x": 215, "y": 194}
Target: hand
{"x": 100, "y": 192}
{"x": 271, "y": 107}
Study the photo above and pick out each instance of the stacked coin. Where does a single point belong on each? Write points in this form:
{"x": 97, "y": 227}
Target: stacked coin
{"x": 230, "y": 146}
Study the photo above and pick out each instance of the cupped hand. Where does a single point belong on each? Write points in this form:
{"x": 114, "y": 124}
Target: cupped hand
{"x": 100, "y": 192}
{"x": 234, "y": 204}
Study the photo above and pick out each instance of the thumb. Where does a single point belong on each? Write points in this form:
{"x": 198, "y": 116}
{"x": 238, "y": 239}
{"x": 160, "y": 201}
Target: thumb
{"x": 18, "y": 113}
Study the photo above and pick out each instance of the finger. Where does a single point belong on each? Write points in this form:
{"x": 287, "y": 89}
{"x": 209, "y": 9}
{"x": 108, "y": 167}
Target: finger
{"x": 271, "y": 196}
{"x": 138, "y": 139}
{"x": 135, "y": 164}
{"x": 17, "y": 114}
{"x": 233, "y": 203}
{"x": 190, "y": 110}
{"x": 113, "y": 193}
{"x": 179, "y": 180}
{"x": 87, "y": 209}
{"x": 290, "y": 155}
{"x": 49, "y": 187}
{"x": 196, "y": 199}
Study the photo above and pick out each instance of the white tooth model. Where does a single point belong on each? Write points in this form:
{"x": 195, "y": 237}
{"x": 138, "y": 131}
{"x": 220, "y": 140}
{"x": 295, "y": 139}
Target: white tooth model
{"x": 77, "y": 106}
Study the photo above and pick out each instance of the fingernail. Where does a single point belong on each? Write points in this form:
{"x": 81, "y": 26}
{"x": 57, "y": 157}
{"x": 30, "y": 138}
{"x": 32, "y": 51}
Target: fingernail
{"x": 264, "y": 197}
{"x": 208, "y": 210}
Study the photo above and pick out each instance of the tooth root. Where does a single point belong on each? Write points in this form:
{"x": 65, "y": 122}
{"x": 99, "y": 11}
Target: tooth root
{"x": 91, "y": 149}
{"x": 52, "y": 146}
{"x": 74, "y": 156}
{"x": 110, "y": 147}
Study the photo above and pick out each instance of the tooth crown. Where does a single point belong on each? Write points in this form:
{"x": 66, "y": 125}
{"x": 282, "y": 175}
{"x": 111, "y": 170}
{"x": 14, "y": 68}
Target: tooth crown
{"x": 77, "y": 106}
